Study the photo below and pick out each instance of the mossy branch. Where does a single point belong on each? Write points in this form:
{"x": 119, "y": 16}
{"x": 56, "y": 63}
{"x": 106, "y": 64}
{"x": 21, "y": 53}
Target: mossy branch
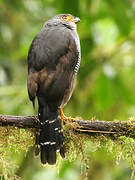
{"x": 94, "y": 127}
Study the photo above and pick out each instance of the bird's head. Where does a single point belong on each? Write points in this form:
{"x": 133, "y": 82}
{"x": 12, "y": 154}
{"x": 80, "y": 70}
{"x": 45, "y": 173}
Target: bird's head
{"x": 66, "y": 19}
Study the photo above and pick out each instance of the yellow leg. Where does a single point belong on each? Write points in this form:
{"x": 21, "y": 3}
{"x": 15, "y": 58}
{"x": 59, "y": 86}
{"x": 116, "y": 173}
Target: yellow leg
{"x": 62, "y": 114}
{"x": 63, "y": 117}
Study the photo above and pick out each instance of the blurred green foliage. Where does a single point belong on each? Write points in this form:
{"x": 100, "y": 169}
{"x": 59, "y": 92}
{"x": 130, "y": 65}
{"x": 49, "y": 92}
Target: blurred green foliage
{"x": 105, "y": 87}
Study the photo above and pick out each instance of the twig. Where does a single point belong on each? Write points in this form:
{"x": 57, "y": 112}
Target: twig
{"x": 111, "y": 128}
{"x": 19, "y": 121}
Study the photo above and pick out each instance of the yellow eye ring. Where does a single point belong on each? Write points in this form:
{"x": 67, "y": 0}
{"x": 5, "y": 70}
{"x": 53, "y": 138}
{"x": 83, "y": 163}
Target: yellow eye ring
{"x": 64, "y": 17}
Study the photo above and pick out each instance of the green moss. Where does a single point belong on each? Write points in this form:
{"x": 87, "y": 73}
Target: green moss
{"x": 14, "y": 144}
{"x": 80, "y": 147}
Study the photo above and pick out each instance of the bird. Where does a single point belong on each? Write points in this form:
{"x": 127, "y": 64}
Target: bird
{"x": 54, "y": 59}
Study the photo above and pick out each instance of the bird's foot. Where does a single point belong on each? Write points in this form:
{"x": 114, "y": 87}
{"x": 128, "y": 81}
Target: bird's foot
{"x": 65, "y": 118}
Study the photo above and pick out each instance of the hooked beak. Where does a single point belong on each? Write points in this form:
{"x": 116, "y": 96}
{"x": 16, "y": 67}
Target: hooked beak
{"x": 76, "y": 20}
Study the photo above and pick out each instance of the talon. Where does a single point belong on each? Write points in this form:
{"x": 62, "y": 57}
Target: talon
{"x": 63, "y": 117}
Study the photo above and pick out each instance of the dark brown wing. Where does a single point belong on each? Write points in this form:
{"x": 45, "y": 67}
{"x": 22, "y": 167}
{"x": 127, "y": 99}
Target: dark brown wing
{"x": 52, "y": 59}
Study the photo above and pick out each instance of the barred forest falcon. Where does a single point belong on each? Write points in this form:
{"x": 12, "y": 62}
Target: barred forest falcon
{"x": 53, "y": 61}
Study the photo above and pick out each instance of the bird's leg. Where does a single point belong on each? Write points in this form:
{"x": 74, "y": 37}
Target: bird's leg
{"x": 62, "y": 114}
{"x": 63, "y": 117}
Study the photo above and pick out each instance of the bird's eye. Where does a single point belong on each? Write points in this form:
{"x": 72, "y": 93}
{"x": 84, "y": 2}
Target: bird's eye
{"x": 64, "y": 17}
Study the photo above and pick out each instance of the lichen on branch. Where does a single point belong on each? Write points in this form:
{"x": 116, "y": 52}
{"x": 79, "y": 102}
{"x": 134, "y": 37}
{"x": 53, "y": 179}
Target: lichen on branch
{"x": 81, "y": 136}
{"x": 90, "y": 127}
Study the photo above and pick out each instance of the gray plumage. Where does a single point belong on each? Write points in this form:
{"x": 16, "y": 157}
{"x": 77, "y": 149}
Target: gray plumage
{"x": 53, "y": 62}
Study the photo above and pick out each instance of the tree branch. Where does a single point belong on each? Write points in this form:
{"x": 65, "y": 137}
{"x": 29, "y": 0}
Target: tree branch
{"x": 19, "y": 121}
{"x": 94, "y": 127}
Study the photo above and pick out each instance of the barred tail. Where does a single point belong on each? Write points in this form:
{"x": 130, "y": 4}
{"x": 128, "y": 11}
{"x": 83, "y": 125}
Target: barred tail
{"x": 50, "y": 136}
